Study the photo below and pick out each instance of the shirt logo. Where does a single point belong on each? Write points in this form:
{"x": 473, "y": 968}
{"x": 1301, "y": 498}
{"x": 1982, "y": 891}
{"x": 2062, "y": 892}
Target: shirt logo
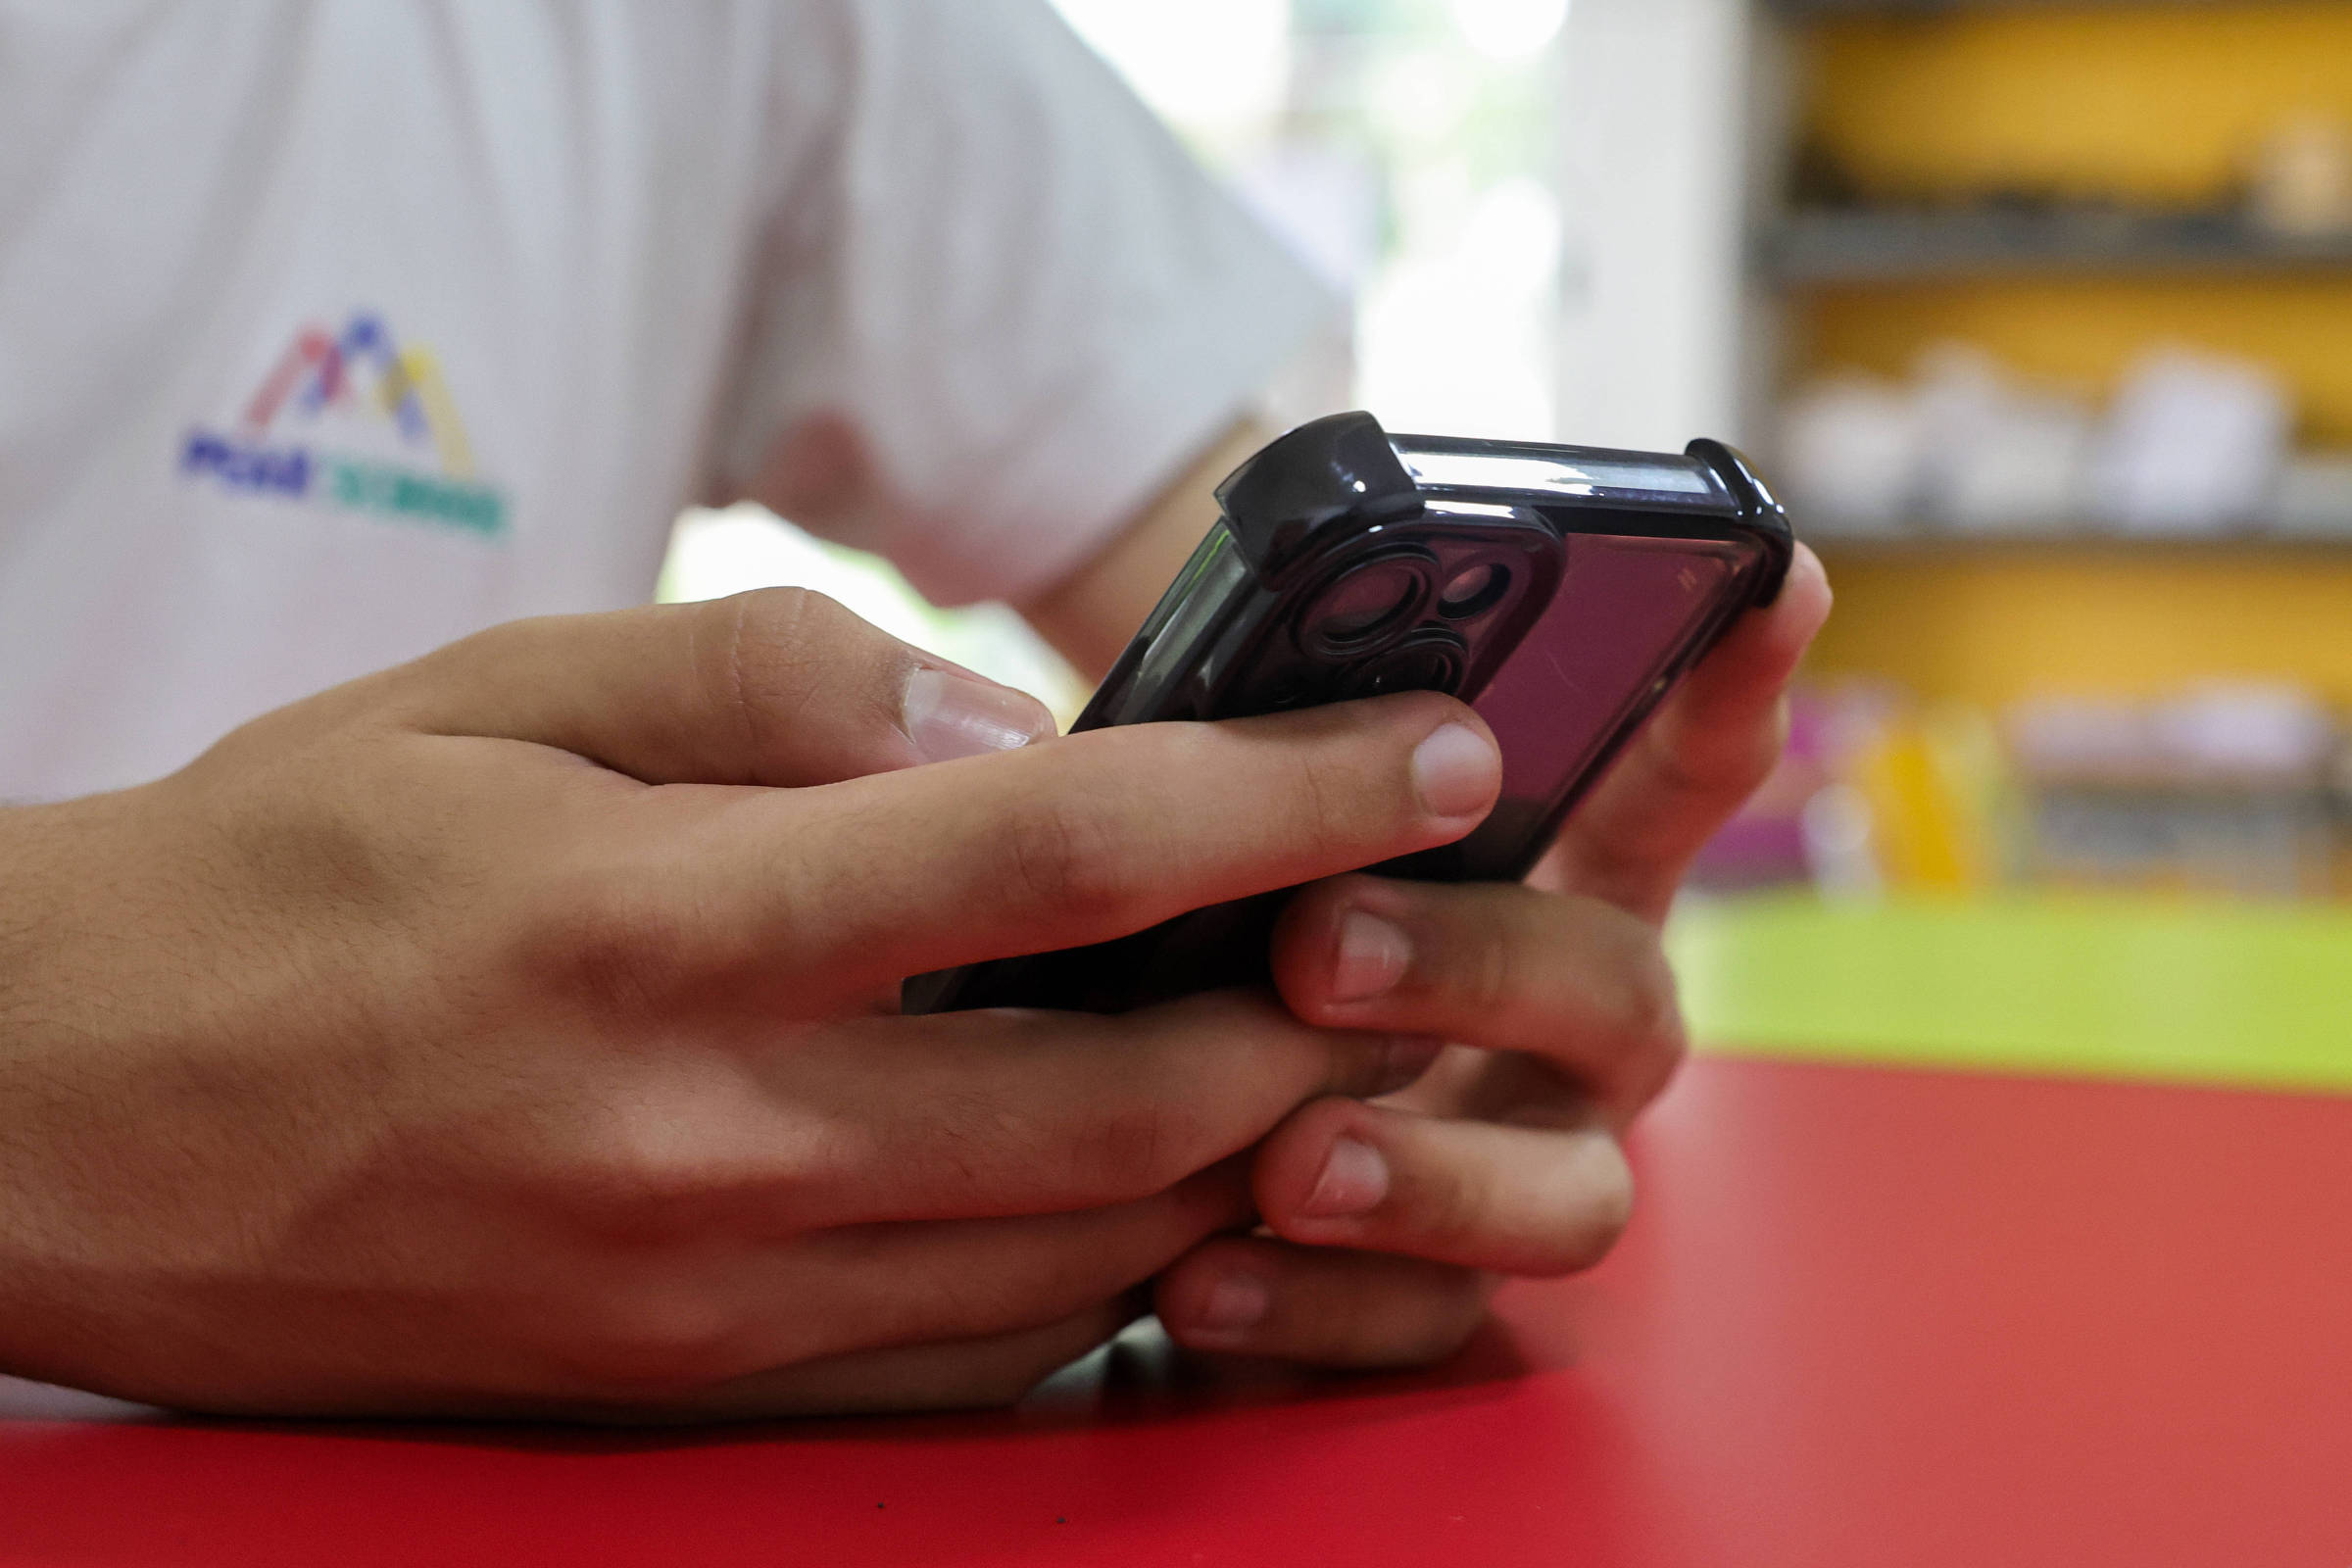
{"x": 400, "y": 449}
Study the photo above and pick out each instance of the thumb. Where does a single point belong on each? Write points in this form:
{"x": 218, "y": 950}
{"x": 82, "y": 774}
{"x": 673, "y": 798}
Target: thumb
{"x": 781, "y": 686}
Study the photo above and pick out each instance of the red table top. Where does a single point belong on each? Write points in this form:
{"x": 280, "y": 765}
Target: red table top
{"x": 1864, "y": 1318}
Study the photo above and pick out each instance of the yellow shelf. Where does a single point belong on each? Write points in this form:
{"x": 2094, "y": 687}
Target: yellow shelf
{"x": 2151, "y": 110}
{"x": 2156, "y": 104}
{"x": 1988, "y": 627}
{"x": 2075, "y": 542}
{"x": 2081, "y": 332}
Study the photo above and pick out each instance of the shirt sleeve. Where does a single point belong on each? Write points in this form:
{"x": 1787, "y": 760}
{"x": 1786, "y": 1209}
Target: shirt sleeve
{"x": 995, "y": 266}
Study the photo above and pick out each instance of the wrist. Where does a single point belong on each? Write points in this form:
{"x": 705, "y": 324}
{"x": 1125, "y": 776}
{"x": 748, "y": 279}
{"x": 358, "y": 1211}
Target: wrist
{"x": 33, "y": 841}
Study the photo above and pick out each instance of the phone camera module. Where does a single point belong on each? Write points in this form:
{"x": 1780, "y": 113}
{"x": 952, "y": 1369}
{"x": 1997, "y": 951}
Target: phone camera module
{"x": 1429, "y": 661}
{"x": 1366, "y": 604}
{"x": 1474, "y": 590}
{"x": 1285, "y": 689}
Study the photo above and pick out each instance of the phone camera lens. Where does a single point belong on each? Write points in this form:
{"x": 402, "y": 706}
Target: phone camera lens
{"x": 1474, "y": 590}
{"x": 1364, "y": 605}
{"x": 1426, "y": 662}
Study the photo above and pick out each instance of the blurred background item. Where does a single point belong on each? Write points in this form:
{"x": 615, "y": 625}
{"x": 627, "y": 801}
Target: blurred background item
{"x": 2315, "y": 495}
{"x": 1961, "y": 445}
{"x": 2221, "y": 790}
{"x": 2302, "y": 176}
{"x": 2227, "y": 790}
{"x": 1852, "y": 452}
{"x": 2193, "y": 444}
{"x": 2040, "y": 314}
{"x": 1996, "y": 452}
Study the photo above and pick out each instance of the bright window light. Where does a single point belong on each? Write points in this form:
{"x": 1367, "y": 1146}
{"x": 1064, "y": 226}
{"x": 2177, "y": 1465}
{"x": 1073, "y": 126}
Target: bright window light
{"x": 1509, "y": 29}
{"x": 1216, "y": 68}
{"x": 1453, "y": 337}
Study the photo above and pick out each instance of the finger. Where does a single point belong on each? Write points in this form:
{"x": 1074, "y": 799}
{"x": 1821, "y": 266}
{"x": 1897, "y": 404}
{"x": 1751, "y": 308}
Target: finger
{"x": 781, "y": 686}
{"x": 701, "y": 1309}
{"x": 1322, "y": 1307}
{"x": 1575, "y": 982}
{"x": 1704, "y": 752}
{"x": 872, "y": 1287}
{"x": 1021, "y": 1112}
{"x": 1089, "y": 838}
{"x": 958, "y": 1116}
{"x": 981, "y": 1373}
{"x": 1517, "y": 1199}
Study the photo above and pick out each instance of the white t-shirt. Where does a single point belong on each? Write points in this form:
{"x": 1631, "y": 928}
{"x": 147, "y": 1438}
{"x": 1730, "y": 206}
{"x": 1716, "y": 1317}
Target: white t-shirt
{"x": 331, "y": 331}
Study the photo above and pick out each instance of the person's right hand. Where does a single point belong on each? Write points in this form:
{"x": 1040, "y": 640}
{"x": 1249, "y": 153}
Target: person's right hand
{"x": 512, "y": 1032}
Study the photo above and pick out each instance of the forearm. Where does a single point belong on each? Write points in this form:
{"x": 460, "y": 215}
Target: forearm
{"x": 50, "y": 875}
{"x": 1090, "y": 614}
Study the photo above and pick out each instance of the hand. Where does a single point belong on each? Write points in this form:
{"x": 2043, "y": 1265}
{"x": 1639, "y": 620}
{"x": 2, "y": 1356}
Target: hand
{"x": 515, "y": 1032}
{"x": 1392, "y": 1219}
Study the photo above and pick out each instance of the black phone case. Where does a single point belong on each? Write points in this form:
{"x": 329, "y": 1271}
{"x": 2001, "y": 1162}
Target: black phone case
{"x": 1348, "y": 563}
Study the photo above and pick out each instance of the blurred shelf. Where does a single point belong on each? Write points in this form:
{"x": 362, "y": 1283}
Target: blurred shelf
{"x": 1899, "y": 245}
{"x": 1927, "y": 547}
{"x": 1926, "y": 7}
{"x": 2199, "y": 991}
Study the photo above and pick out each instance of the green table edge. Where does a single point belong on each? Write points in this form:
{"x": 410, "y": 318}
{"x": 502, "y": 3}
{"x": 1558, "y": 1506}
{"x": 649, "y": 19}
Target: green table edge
{"x": 2244, "y": 995}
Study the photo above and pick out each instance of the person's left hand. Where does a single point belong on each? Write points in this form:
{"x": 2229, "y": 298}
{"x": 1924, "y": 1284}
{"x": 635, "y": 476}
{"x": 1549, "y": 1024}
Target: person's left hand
{"x": 1392, "y": 1219}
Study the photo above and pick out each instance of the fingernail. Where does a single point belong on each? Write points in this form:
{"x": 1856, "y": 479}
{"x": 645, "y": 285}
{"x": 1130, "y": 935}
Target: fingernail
{"x": 1457, "y": 772}
{"x": 950, "y": 715}
{"x": 1373, "y": 956}
{"x": 1235, "y": 1302}
{"x": 1354, "y": 1180}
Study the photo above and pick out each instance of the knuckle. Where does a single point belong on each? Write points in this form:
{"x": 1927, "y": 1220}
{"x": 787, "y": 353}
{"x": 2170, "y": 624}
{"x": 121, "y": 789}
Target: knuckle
{"x": 1454, "y": 1210}
{"x": 1326, "y": 804}
{"x": 1449, "y": 1319}
{"x": 1408, "y": 1313}
{"x": 655, "y": 1340}
{"x": 609, "y": 945}
{"x": 1351, "y": 793}
{"x": 788, "y": 658}
{"x": 642, "y": 1192}
{"x": 1140, "y": 1149}
{"x": 664, "y": 1156}
{"x": 1652, "y": 1005}
{"x": 770, "y": 630}
{"x": 1487, "y": 975}
{"x": 1652, "y": 1017}
{"x": 1610, "y": 1210}
{"x": 640, "y": 1181}
{"x": 1065, "y": 856}
{"x": 767, "y": 671}
{"x": 1599, "y": 1207}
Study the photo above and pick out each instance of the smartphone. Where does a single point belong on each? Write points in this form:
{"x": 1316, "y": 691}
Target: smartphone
{"x": 1561, "y": 591}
